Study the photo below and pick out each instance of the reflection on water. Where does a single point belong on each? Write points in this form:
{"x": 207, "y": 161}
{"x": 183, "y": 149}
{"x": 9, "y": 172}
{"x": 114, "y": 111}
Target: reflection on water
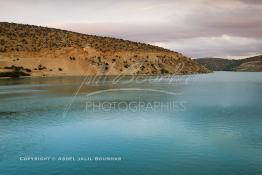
{"x": 217, "y": 130}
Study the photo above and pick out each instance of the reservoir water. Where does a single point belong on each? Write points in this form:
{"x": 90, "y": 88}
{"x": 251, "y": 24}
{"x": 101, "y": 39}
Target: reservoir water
{"x": 198, "y": 124}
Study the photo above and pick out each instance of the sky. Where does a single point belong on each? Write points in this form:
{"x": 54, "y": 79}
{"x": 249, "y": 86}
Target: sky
{"x": 196, "y": 28}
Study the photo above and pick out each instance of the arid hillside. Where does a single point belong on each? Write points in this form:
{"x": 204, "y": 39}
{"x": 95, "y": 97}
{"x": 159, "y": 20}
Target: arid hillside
{"x": 40, "y": 51}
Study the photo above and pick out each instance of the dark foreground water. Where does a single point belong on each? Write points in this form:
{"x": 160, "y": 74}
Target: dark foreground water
{"x": 202, "y": 124}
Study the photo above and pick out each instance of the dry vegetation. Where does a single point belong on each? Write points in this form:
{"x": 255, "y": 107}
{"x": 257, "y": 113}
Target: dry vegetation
{"x": 54, "y": 52}
{"x": 251, "y": 64}
{"x": 19, "y": 37}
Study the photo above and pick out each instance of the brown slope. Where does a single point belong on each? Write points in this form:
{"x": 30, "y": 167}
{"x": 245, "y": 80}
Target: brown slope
{"x": 49, "y": 52}
{"x": 252, "y": 64}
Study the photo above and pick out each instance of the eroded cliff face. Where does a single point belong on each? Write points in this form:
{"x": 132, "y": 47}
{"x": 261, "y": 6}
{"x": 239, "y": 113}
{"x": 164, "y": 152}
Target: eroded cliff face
{"x": 57, "y": 53}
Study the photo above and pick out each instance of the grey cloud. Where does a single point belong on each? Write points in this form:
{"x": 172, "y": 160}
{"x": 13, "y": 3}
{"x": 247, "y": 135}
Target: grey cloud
{"x": 251, "y": 1}
{"x": 245, "y": 22}
{"x": 186, "y": 35}
{"x": 218, "y": 46}
{"x": 201, "y": 21}
{"x": 179, "y": 25}
{"x": 194, "y": 44}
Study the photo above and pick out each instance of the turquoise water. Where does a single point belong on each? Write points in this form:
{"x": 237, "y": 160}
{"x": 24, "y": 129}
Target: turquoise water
{"x": 215, "y": 126}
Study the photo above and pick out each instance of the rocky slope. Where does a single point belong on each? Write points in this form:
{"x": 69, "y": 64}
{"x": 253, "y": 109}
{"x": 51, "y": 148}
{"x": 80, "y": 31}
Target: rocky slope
{"x": 252, "y": 64}
{"x": 41, "y": 51}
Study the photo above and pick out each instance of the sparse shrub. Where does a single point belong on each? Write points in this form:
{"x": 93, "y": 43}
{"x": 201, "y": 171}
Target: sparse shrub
{"x": 60, "y": 69}
{"x": 17, "y": 72}
{"x": 24, "y": 41}
{"x": 6, "y": 67}
{"x": 164, "y": 71}
{"x": 14, "y": 74}
{"x": 72, "y": 58}
{"x": 2, "y": 42}
{"x": 40, "y": 67}
{"x": 2, "y": 49}
{"x": 28, "y": 70}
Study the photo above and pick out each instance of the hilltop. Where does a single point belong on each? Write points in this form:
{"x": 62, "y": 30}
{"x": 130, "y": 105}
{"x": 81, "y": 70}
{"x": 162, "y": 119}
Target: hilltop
{"x": 251, "y": 64}
{"x": 42, "y": 51}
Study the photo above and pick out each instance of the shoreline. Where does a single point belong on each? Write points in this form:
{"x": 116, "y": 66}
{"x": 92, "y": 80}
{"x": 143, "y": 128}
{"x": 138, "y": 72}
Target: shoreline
{"x": 110, "y": 75}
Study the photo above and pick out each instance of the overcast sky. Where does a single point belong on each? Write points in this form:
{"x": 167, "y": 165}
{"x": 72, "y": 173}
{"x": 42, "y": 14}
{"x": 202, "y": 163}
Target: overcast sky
{"x": 196, "y": 28}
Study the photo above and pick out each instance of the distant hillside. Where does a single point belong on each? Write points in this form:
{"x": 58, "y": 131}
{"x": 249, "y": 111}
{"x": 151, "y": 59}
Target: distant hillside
{"x": 40, "y": 51}
{"x": 252, "y": 64}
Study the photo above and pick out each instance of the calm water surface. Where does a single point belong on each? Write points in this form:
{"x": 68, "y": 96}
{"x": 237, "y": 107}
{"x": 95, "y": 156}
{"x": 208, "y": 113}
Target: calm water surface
{"x": 214, "y": 128}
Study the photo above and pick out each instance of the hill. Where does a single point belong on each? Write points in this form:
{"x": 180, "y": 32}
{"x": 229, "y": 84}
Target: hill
{"x": 41, "y": 51}
{"x": 251, "y": 64}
